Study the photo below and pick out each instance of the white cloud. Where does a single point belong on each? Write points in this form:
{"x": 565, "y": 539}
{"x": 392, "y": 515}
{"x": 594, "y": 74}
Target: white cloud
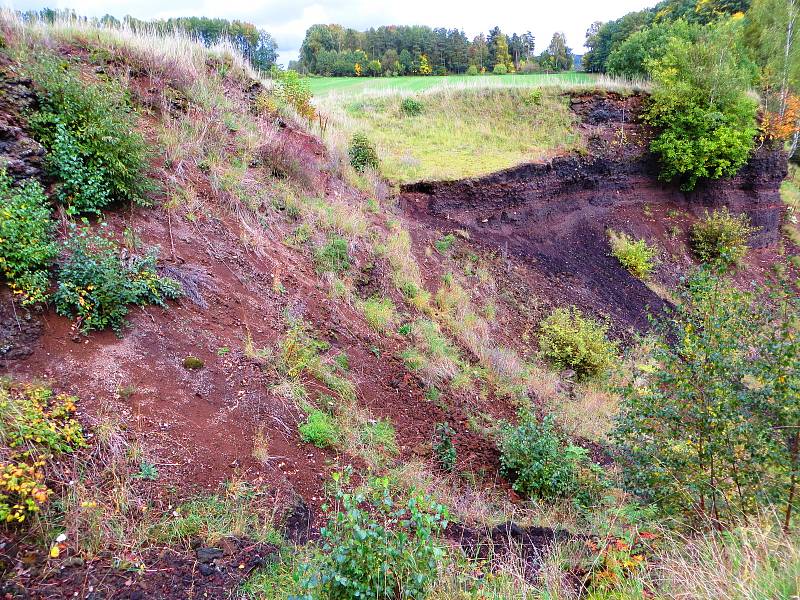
{"x": 287, "y": 20}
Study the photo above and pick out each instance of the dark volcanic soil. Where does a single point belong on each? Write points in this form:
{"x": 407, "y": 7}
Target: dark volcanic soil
{"x": 553, "y": 216}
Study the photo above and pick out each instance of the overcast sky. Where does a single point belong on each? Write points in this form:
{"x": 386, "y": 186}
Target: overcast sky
{"x": 287, "y": 20}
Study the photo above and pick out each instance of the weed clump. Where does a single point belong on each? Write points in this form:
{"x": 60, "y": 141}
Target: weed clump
{"x": 443, "y": 447}
{"x": 571, "y": 341}
{"x": 411, "y": 106}
{"x": 374, "y": 546}
{"x": 721, "y": 237}
{"x": 90, "y": 133}
{"x": 635, "y": 255}
{"x": 320, "y": 429}
{"x": 333, "y": 257}
{"x": 362, "y": 153}
{"x": 379, "y": 313}
{"x": 35, "y": 426}
{"x": 96, "y": 288}
{"x": 26, "y": 240}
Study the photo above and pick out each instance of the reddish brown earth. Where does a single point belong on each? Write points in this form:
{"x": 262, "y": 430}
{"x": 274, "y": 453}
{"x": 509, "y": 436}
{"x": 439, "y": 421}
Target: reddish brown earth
{"x": 543, "y": 223}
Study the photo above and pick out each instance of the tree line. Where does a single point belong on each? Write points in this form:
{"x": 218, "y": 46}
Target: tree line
{"x": 333, "y": 50}
{"x": 257, "y": 45}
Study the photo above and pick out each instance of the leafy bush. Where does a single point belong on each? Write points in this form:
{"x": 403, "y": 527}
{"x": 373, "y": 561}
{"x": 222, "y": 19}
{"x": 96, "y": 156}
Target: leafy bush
{"x": 374, "y": 547}
{"x": 721, "y": 237}
{"x": 411, "y": 106}
{"x": 712, "y": 431}
{"x": 500, "y": 69}
{"x": 26, "y": 239}
{"x": 571, "y": 341}
{"x": 320, "y": 429}
{"x": 333, "y": 256}
{"x": 706, "y": 121}
{"x": 542, "y": 464}
{"x": 443, "y": 447}
{"x": 362, "y": 153}
{"x": 90, "y": 131}
{"x": 472, "y": 70}
{"x": 96, "y": 288}
{"x": 35, "y": 426}
{"x": 634, "y": 255}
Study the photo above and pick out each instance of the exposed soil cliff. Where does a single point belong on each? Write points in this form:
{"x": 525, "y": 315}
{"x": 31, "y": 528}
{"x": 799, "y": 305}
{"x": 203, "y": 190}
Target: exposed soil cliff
{"x": 553, "y": 215}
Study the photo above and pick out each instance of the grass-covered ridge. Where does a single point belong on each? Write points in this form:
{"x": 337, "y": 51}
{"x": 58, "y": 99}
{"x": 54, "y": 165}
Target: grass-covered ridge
{"x": 458, "y": 132}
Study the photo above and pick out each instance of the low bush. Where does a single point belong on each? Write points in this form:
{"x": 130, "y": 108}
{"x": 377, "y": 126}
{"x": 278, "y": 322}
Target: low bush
{"x": 362, "y": 153}
{"x": 721, "y": 237}
{"x": 635, "y": 255}
{"x": 444, "y": 243}
{"x": 569, "y": 340}
{"x": 94, "y": 149}
{"x": 320, "y": 429}
{"x": 411, "y": 106}
{"x": 35, "y": 426}
{"x": 500, "y": 69}
{"x": 542, "y": 464}
{"x": 472, "y": 70}
{"x": 333, "y": 256}
{"x": 26, "y": 239}
{"x": 95, "y": 288}
{"x": 375, "y": 547}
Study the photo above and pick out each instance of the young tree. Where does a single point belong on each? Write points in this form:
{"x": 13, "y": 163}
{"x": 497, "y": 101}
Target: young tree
{"x": 712, "y": 428}
{"x": 560, "y": 54}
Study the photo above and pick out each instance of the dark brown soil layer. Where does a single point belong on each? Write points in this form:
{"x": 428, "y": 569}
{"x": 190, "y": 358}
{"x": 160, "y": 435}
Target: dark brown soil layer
{"x": 553, "y": 216}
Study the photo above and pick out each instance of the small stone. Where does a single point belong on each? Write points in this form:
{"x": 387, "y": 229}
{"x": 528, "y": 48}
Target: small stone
{"x": 207, "y": 555}
{"x": 206, "y": 570}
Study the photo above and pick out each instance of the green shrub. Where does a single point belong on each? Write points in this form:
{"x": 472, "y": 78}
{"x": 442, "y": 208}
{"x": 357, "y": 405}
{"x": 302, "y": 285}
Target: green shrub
{"x": 443, "y": 446}
{"x": 721, "y": 237}
{"x": 411, "y": 106}
{"x": 472, "y": 70}
{"x": 333, "y": 256}
{"x": 374, "y": 547}
{"x": 96, "y": 288}
{"x": 571, "y": 341}
{"x": 26, "y": 239}
{"x": 362, "y": 153}
{"x": 500, "y": 69}
{"x": 320, "y": 429}
{"x": 193, "y": 363}
{"x": 294, "y": 91}
{"x": 379, "y": 313}
{"x": 542, "y": 465}
{"x": 379, "y": 435}
{"x": 90, "y": 132}
{"x": 635, "y": 255}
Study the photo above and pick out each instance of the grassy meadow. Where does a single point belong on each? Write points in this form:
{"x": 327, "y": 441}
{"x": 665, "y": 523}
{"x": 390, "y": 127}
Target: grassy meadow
{"x": 456, "y": 133}
{"x": 322, "y": 86}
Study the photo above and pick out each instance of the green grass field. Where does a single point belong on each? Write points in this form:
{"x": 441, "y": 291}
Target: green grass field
{"x": 322, "y": 86}
{"x": 459, "y": 131}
